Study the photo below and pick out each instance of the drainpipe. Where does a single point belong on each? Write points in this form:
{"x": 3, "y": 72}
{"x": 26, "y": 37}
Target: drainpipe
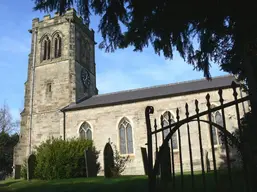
{"x": 64, "y": 125}
{"x": 32, "y": 87}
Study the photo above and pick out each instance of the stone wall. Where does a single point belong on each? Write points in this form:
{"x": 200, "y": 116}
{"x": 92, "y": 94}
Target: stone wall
{"x": 104, "y": 123}
{"x": 63, "y": 74}
{"x": 55, "y": 80}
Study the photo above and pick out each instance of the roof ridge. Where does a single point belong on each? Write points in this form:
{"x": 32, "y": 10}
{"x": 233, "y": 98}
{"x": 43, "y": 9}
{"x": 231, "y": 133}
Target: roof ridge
{"x": 154, "y": 92}
{"x": 163, "y": 85}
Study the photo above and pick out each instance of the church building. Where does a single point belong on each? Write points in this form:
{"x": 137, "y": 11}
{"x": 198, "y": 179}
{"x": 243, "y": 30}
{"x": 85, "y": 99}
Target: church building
{"x": 62, "y": 100}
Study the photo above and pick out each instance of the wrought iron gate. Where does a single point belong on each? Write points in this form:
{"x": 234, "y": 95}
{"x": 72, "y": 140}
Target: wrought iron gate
{"x": 173, "y": 164}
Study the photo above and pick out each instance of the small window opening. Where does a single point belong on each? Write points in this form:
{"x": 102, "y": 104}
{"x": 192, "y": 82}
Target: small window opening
{"x": 49, "y": 87}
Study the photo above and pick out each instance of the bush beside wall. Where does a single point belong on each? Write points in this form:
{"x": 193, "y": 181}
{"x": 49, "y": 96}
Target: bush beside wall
{"x": 59, "y": 159}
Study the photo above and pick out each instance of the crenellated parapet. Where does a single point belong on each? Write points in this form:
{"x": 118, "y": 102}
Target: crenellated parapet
{"x": 69, "y": 16}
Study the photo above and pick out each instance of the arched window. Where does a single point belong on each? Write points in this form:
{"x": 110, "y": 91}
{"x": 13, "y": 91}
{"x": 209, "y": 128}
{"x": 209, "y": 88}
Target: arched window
{"x": 46, "y": 48}
{"x": 125, "y": 137}
{"x": 85, "y": 131}
{"x": 57, "y": 46}
{"x": 216, "y": 117}
{"x": 166, "y": 131}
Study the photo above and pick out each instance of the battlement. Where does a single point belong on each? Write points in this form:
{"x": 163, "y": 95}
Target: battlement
{"x": 69, "y": 16}
{"x": 48, "y": 17}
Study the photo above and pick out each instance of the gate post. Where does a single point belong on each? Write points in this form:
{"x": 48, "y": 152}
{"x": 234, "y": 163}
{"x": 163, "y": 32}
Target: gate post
{"x": 151, "y": 177}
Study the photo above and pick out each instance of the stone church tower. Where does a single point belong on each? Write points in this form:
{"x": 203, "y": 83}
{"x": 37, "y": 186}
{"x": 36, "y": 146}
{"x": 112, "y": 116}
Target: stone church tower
{"x": 61, "y": 70}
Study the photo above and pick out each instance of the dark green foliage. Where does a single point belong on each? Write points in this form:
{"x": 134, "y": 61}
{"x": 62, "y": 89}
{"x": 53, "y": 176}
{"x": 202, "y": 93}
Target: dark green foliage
{"x": 244, "y": 137}
{"x": 7, "y": 143}
{"x": 59, "y": 159}
{"x": 225, "y": 33}
{"x": 241, "y": 137}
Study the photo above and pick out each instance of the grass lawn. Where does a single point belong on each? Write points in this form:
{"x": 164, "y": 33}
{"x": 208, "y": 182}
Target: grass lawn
{"x": 124, "y": 184}
{"x": 98, "y": 184}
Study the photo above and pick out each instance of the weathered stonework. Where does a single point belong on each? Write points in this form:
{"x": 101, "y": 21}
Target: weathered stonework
{"x": 104, "y": 123}
{"x": 57, "y": 83}
{"x": 56, "y": 80}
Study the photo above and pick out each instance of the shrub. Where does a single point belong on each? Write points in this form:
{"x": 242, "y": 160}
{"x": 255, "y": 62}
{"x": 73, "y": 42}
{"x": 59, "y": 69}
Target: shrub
{"x": 24, "y": 169}
{"x": 59, "y": 159}
{"x": 245, "y": 136}
{"x": 119, "y": 162}
{"x": 7, "y": 143}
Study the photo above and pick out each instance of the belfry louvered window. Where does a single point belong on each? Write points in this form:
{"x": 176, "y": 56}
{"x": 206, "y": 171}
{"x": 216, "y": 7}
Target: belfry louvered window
{"x": 46, "y": 48}
{"x": 57, "y": 46}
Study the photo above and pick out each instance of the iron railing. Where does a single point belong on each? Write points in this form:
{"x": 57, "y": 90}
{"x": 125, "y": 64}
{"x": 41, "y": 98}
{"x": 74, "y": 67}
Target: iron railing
{"x": 162, "y": 170}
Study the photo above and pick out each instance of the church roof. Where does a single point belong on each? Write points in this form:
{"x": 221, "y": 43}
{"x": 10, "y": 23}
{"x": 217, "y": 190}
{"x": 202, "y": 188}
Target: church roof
{"x": 155, "y": 92}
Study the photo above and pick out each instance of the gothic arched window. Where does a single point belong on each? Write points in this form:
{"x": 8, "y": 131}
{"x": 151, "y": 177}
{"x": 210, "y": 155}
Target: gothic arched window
{"x": 216, "y": 117}
{"x": 166, "y": 131}
{"x": 57, "y": 46}
{"x": 46, "y": 48}
{"x": 85, "y": 131}
{"x": 125, "y": 137}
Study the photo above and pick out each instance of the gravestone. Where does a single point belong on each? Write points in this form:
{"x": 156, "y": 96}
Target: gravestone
{"x": 145, "y": 160}
{"x": 91, "y": 164}
{"x": 165, "y": 162}
{"x": 108, "y": 161}
{"x": 31, "y": 166}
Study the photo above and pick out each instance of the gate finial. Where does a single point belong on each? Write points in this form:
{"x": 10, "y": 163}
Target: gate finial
{"x": 149, "y": 110}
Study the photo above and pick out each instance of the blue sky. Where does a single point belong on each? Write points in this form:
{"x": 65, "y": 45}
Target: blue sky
{"x": 121, "y": 70}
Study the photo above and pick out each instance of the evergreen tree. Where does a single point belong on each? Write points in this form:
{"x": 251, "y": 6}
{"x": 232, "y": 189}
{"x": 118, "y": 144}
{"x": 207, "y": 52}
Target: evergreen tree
{"x": 226, "y": 31}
